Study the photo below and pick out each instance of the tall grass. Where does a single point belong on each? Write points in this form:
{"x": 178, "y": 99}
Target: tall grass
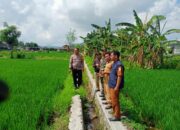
{"x": 155, "y": 96}
{"x": 33, "y": 84}
{"x": 156, "y": 93}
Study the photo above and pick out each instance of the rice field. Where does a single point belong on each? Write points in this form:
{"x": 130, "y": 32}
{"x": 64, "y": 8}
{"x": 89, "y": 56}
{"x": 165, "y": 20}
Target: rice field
{"x": 155, "y": 96}
{"x": 156, "y": 93}
{"x": 33, "y": 85}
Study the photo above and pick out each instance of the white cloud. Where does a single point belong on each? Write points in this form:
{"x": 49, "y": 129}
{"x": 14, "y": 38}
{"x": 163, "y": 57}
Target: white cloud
{"x": 48, "y": 21}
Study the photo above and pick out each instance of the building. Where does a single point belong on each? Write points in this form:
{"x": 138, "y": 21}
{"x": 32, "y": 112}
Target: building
{"x": 176, "y": 49}
{"x": 4, "y": 46}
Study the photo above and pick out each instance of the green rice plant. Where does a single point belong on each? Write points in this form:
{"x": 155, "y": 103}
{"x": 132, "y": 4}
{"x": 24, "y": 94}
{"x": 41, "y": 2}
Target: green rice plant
{"x": 32, "y": 84}
{"x": 151, "y": 97}
{"x": 156, "y": 93}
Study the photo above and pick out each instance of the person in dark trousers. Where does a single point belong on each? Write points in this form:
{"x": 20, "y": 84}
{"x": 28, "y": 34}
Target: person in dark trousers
{"x": 96, "y": 66}
{"x": 116, "y": 83}
{"x": 76, "y": 65}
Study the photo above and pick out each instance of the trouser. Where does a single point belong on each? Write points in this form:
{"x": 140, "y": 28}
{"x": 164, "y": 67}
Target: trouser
{"x": 115, "y": 102}
{"x": 97, "y": 81}
{"x": 77, "y": 77}
{"x": 102, "y": 85}
{"x": 107, "y": 89}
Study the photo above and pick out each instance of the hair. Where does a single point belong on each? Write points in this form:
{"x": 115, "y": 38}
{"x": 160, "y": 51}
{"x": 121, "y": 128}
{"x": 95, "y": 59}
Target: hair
{"x": 96, "y": 55}
{"x": 107, "y": 53}
{"x": 116, "y": 53}
{"x": 104, "y": 50}
{"x": 76, "y": 48}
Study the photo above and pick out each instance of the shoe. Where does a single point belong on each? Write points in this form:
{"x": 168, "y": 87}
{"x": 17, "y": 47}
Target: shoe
{"x": 103, "y": 98}
{"x": 111, "y": 112}
{"x": 97, "y": 90}
{"x": 108, "y": 107}
{"x": 102, "y": 95}
{"x": 105, "y": 102}
{"x": 115, "y": 119}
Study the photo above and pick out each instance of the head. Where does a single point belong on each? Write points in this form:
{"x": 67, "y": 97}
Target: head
{"x": 103, "y": 52}
{"x": 115, "y": 55}
{"x": 76, "y": 51}
{"x": 107, "y": 56}
{"x": 97, "y": 55}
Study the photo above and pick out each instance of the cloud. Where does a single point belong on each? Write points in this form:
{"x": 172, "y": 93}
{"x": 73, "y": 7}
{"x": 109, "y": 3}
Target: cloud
{"x": 48, "y": 21}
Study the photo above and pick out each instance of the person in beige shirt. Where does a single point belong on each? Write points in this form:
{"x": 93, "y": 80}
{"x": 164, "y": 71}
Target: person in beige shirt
{"x": 107, "y": 71}
{"x": 76, "y": 65}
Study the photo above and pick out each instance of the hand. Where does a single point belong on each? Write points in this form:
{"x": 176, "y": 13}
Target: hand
{"x": 116, "y": 89}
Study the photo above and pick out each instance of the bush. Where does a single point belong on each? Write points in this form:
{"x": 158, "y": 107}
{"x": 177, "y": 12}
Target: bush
{"x": 172, "y": 62}
{"x": 20, "y": 56}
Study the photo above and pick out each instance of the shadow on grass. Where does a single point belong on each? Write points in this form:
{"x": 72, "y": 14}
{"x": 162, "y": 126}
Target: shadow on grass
{"x": 4, "y": 91}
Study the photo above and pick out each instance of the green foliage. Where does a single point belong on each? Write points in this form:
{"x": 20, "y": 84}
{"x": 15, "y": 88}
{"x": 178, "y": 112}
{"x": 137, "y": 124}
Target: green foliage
{"x": 33, "y": 85}
{"x": 10, "y": 35}
{"x": 62, "y": 102}
{"x": 31, "y": 44}
{"x": 150, "y": 97}
{"x": 156, "y": 93}
{"x": 71, "y": 37}
{"x": 143, "y": 43}
{"x": 171, "y": 62}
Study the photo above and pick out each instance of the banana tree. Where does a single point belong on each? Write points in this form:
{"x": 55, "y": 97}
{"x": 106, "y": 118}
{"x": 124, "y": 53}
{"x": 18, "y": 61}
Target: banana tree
{"x": 105, "y": 34}
{"x": 148, "y": 41}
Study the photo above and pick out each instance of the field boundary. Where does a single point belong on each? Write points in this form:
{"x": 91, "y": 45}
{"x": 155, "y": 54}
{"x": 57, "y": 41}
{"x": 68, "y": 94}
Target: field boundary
{"x": 103, "y": 113}
{"x": 76, "y": 119}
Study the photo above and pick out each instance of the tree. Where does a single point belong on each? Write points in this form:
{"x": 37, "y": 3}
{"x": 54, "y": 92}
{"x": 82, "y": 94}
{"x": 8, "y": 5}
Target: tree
{"x": 147, "y": 42}
{"x": 31, "y": 45}
{"x": 71, "y": 37}
{"x": 10, "y": 35}
{"x": 105, "y": 34}
{"x": 21, "y": 44}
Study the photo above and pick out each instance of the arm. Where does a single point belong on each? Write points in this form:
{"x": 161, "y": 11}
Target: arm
{"x": 70, "y": 62}
{"x": 119, "y": 74}
{"x": 82, "y": 63}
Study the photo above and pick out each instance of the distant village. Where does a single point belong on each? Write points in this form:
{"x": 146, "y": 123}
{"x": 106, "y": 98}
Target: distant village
{"x": 175, "y": 48}
{"x": 33, "y": 47}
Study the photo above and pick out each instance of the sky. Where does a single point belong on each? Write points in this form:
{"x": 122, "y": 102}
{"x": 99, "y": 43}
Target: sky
{"x": 48, "y": 21}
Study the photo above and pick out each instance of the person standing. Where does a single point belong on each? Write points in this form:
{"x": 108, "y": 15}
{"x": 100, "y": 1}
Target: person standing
{"x": 102, "y": 66}
{"x": 107, "y": 71}
{"x": 96, "y": 66}
{"x": 116, "y": 82}
{"x": 76, "y": 65}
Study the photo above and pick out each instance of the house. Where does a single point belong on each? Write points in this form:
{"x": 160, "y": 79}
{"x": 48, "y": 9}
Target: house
{"x": 32, "y": 48}
{"x": 4, "y": 46}
{"x": 176, "y": 49}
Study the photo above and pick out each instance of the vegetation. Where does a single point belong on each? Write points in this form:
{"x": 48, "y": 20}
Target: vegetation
{"x": 61, "y": 104}
{"x": 142, "y": 43}
{"x": 71, "y": 37}
{"x": 156, "y": 95}
{"x": 10, "y": 35}
{"x": 37, "y": 90}
{"x": 150, "y": 97}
